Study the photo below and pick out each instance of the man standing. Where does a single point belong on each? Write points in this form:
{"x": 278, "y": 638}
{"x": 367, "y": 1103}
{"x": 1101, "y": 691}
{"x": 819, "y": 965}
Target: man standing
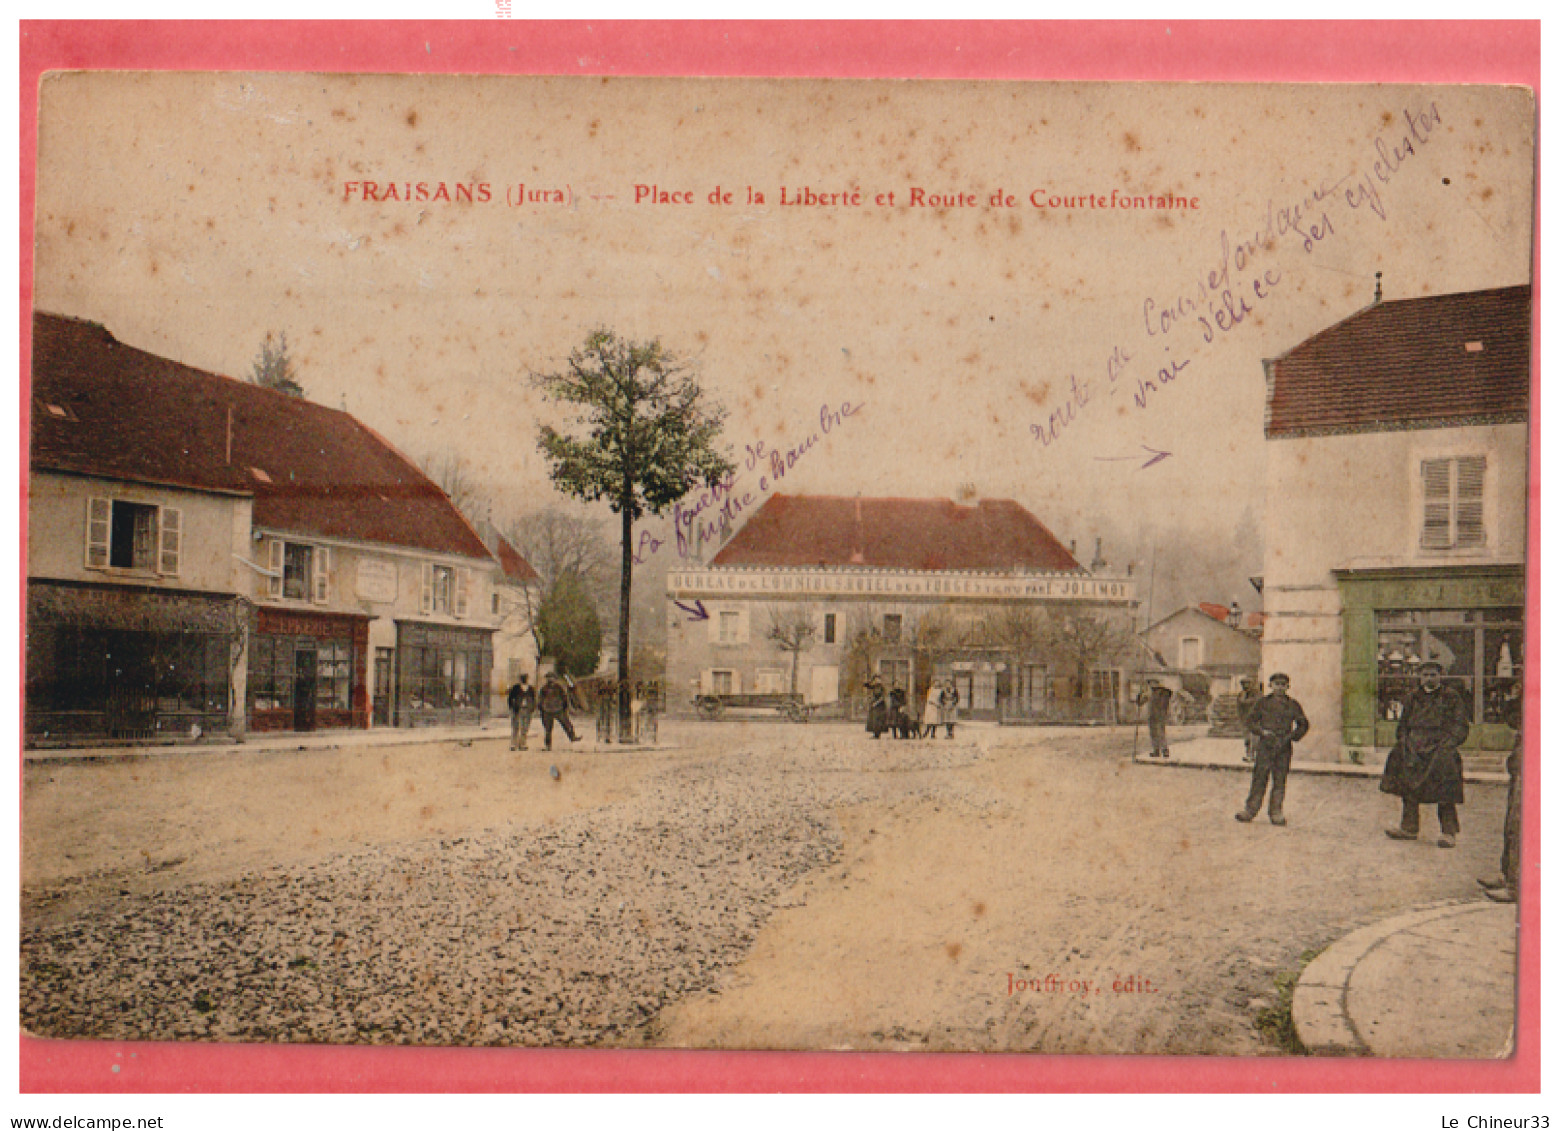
{"x": 1243, "y": 704}
{"x": 553, "y": 702}
{"x": 1503, "y": 888}
{"x": 1277, "y": 722}
{"x": 522, "y": 704}
{"x": 1158, "y": 697}
{"x": 1424, "y": 767}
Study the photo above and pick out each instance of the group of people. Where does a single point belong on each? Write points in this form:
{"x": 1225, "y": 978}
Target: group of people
{"x": 1424, "y": 767}
{"x": 552, "y": 700}
{"x": 891, "y": 711}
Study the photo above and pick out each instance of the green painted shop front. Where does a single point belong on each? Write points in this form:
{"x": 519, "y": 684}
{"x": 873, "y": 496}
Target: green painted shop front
{"x": 1468, "y": 618}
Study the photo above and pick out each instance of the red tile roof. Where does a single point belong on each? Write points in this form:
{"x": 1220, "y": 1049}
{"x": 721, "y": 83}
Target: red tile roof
{"x": 312, "y": 470}
{"x": 511, "y": 561}
{"x": 931, "y": 534}
{"x": 1414, "y": 363}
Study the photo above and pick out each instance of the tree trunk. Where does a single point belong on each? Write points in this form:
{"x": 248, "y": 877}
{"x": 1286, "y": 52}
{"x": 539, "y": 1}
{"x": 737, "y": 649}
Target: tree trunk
{"x": 796, "y": 659}
{"x": 625, "y": 713}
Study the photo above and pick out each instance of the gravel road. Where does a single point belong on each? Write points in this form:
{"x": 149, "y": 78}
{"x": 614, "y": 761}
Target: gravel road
{"x": 575, "y": 931}
{"x": 758, "y": 886}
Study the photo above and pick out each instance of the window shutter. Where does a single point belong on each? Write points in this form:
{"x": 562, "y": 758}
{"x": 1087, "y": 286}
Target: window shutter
{"x": 462, "y": 591}
{"x": 278, "y": 553}
{"x": 1470, "y": 501}
{"x": 170, "y": 540}
{"x": 321, "y": 574}
{"x": 706, "y": 681}
{"x": 1437, "y": 534}
{"x": 99, "y": 519}
{"x": 427, "y": 588}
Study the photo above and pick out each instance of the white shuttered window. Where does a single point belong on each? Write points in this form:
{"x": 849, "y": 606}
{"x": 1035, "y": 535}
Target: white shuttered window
{"x": 1454, "y": 502}
{"x": 170, "y": 541}
{"x": 99, "y": 523}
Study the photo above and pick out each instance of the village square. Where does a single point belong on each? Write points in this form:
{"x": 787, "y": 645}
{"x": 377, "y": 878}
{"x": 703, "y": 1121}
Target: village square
{"x": 452, "y": 623}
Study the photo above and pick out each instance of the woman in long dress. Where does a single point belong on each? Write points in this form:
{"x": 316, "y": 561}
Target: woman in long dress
{"x": 931, "y": 718}
{"x": 877, "y": 708}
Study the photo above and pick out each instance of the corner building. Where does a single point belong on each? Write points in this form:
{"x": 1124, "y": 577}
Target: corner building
{"x": 1397, "y": 515}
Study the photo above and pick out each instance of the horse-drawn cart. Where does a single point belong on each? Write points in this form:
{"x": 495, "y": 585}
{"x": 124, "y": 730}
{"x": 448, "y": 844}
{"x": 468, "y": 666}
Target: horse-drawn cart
{"x": 793, "y": 707}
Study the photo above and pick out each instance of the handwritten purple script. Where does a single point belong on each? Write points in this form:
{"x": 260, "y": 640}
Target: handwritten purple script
{"x": 707, "y": 515}
{"x": 1237, "y": 285}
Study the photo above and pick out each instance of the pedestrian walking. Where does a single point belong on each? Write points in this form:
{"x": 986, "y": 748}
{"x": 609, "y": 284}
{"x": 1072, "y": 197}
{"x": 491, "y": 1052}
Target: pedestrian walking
{"x": 1424, "y": 767}
{"x": 1158, "y": 697}
{"x": 1502, "y": 888}
{"x": 1277, "y": 722}
{"x": 522, "y": 705}
{"x": 553, "y": 703}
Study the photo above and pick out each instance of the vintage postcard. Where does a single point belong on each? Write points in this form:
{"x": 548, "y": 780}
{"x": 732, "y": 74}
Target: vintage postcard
{"x": 698, "y": 563}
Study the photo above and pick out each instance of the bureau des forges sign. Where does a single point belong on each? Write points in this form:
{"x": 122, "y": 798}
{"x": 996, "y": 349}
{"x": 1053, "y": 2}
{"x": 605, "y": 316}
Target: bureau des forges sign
{"x": 894, "y": 583}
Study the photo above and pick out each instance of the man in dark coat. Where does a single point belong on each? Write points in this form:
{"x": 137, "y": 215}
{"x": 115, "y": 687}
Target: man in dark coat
{"x": 1158, "y": 697}
{"x": 898, "y": 714}
{"x": 522, "y": 705}
{"x": 553, "y": 703}
{"x": 1503, "y": 888}
{"x": 1424, "y": 768}
{"x": 1277, "y": 722}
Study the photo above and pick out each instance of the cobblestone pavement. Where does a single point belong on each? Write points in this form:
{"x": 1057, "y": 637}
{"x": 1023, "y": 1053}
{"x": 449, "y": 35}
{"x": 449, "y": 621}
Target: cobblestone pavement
{"x": 765, "y": 886}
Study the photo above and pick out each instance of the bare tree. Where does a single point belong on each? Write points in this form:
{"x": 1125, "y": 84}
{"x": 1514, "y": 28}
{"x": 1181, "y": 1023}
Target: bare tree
{"x": 273, "y": 367}
{"x": 1084, "y": 642}
{"x": 938, "y": 634}
{"x": 865, "y": 644}
{"x": 1021, "y": 634}
{"x": 792, "y": 628}
{"x": 559, "y": 540}
{"x": 452, "y": 473}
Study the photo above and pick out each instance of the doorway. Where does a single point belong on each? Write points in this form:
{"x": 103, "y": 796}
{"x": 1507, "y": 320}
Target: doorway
{"x": 384, "y": 690}
{"x": 304, "y": 668}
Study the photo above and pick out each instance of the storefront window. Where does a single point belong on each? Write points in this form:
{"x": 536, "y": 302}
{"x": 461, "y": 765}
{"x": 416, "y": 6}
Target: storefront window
{"x": 334, "y": 675}
{"x": 271, "y": 666}
{"x": 440, "y": 678}
{"x": 1480, "y": 651}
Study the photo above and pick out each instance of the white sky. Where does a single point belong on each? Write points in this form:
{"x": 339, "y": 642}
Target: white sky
{"x": 192, "y": 213}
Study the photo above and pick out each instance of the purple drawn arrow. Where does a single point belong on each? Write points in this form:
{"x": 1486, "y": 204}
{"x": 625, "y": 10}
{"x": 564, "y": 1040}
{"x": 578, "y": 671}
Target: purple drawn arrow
{"x": 1155, "y": 455}
{"x": 695, "y": 613}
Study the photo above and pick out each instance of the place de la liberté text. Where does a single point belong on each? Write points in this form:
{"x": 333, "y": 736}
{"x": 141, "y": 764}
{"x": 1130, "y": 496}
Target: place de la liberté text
{"x": 940, "y": 199}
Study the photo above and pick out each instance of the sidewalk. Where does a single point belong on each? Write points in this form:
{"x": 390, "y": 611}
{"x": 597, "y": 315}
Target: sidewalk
{"x": 496, "y": 730}
{"x": 1437, "y": 982}
{"x": 1227, "y": 754}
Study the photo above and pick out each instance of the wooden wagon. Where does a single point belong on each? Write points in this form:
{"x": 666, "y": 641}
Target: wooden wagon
{"x": 793, "y": 707}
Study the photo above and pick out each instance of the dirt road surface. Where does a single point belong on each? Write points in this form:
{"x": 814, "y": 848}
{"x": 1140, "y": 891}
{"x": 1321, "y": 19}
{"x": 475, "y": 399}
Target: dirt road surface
{"x": 758, "y": 886}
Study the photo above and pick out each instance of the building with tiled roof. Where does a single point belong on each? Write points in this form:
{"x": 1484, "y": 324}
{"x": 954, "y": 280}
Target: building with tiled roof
{"x": 1397, "y": 514}
{"x": 911, "y": 590}
{"x": 1200, "y": 638}
{"x": 206, "y": 555}
{"x": 905, "y": 534}
{"x": 1443, "y": 361}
